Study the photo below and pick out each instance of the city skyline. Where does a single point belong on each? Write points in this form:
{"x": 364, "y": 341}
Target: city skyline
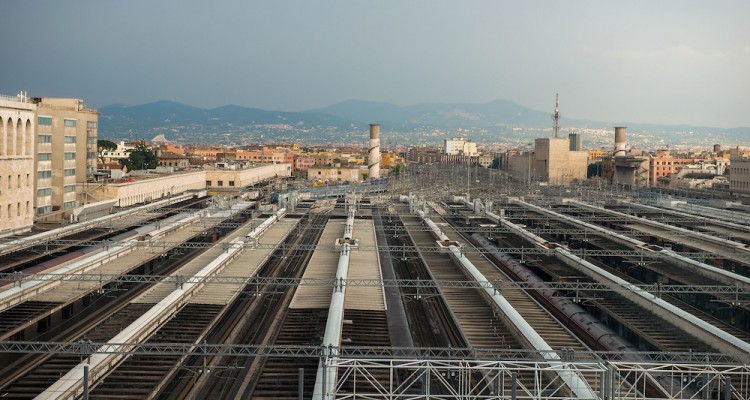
{"x": 666, "y": 63}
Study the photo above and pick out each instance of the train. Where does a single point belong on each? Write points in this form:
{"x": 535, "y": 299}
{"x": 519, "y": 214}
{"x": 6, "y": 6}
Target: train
{"x": 596, "y": 334}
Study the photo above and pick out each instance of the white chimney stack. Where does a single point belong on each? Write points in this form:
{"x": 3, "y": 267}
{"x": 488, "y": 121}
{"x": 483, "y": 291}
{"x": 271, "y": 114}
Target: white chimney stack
{"x": 374, "y": 160}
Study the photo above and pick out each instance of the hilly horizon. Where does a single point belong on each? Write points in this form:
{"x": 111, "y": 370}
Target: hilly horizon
{"x": 170, "y": 117}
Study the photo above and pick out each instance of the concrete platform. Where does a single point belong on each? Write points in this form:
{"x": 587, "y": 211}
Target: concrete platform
{"x": 322, "y": 265}
{"x": 245, "y": 265}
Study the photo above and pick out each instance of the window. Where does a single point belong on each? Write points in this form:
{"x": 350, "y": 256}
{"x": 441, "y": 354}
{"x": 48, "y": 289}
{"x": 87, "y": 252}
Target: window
{"x": 70, "y": 172}
{"x": 44, "y": 156}
{"x": 18, "y": 180}
{"x": 43, "y": 210}
{"x": 69, "y": 188}
{"x": 9, "y": 186}
{"x": 44, "y": 192}
{"x": 208, "y": 183}
{"x": 70, "y": 123}
{"x": 70, "y": 139}
{"x": 44, "y": 139}
{"x": 70, "y": 156}
{"x": 69, "y": 204}
{"x": 91, "y": 124}
{"x": 18, "y": 209}
{"x": 231, "y": 183}
{"x": 220, "y": 183}
{"x": 44, "y": 121}
{"x": 44, "y": 174}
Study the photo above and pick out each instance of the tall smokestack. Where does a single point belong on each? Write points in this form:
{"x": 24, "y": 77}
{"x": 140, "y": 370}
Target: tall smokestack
{"x": 620, "y": 140}
{"x": 374, "y": 160}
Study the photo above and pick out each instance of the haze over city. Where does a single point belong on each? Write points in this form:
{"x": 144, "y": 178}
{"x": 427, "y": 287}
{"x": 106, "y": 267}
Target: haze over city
{"x": 668, "y": 62}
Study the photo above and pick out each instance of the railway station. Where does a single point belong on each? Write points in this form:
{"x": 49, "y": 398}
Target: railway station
{"x": 439, "y": 289}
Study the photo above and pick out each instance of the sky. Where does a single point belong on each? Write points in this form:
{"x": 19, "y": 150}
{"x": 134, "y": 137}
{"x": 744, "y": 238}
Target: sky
{"x": 666, "y": 61}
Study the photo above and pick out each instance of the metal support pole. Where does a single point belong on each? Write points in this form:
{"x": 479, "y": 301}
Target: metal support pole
{"x": 727, "y": 388}
{"x": 323, "y": 378}
{"x": 514, "y": 385}
{"x": 301, "y": 386}
{"x": 86, "y": 382}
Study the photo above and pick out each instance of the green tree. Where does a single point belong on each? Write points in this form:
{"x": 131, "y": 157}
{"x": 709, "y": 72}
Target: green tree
{"x": 103, "y": 145}
{"x": 496, "y": 163}
{"x": 396, "y": 170}
{"x": 141, "y": 157}
{"x": 594, "y": 169}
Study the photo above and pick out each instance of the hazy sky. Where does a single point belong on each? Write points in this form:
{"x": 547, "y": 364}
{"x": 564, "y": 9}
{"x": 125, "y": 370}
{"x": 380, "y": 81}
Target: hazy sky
{"x": 638, "y": 61}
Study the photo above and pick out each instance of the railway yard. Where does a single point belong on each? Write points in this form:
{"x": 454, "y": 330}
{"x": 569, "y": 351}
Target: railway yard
{"x": 405, "y": 294}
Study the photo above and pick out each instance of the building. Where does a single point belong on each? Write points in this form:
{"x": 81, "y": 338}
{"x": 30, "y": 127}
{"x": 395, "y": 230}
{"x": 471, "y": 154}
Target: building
{"x": 555, "y": 163}
{"x": 576, "y": 141}
{"x": 17, "y": 176}
{"x": 739, "y": 175}
{"x": 520, "y": 164}
{"x": 152, "y": 187}
{"x": 626, "y": 171}
{"x": 424, "y": 155}
{"x": 663, "y": 165}
{"x": 67, "y": 132}
{"x": 460, "y": 146}
{"x": 173, "y": 160}
{"x": 346, "y": 173}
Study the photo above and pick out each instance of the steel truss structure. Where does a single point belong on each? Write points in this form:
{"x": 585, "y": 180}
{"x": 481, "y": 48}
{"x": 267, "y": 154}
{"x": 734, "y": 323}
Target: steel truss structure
{"x": 528, "y": 379}
{"x": 742, "y": 293}
{"x": 476, "y": 373}
{"x": 520, "y": 251}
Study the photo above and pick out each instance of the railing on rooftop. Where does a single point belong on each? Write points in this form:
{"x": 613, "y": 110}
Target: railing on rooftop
{"x": 20, "y": 98}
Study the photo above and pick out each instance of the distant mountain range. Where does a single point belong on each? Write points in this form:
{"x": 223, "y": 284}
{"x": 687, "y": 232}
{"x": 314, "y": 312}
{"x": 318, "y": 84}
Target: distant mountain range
{"x": 192, "y": 123}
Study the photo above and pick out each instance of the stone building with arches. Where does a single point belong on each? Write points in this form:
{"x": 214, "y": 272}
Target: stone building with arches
{"x": 17, "y": 173}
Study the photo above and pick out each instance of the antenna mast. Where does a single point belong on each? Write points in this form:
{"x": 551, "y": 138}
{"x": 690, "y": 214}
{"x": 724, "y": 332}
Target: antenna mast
{"x": 556, "y": 117}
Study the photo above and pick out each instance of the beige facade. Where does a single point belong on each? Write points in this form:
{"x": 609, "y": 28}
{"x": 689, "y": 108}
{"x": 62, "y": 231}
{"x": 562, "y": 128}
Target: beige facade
{"x": 522, "y": 166}
{"x": 336, "y": 174}
{"x": 145, "y": 188}
{"x": 460, "y": 146}
{"x": 555, "y": 162}
{"x": 739, "y": 175}
{"x": 67, "y": 132}
{"x": 149, "y": 189}
{"x": 222, "y": 179}
{"x": 16, "y": 165}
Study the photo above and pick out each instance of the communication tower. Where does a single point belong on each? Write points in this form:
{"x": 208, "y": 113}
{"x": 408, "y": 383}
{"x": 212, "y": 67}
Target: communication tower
{"x": 556, "y": 117}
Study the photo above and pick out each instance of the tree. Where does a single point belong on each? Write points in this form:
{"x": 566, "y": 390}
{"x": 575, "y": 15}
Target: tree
{"x": 102, "y": 146}
{"x": 496, "y": 163}
{"x": 396, "y": 170}
{"x": 594, "y": 169}
{"x": 141, "y": 157}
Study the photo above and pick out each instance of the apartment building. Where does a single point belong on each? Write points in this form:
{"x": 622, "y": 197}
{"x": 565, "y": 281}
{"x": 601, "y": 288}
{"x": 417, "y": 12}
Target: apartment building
{"x": 66, "y": 153}
{"x": 739, "y": 175}
{"x": 16, "y": 164}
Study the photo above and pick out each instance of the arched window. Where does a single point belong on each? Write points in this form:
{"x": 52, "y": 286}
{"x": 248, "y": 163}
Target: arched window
{"x": 9, "y": 135}
{"x": 29, "y": 137}
{"x": 18, "y": 138}
{"x": 3, "y": 135}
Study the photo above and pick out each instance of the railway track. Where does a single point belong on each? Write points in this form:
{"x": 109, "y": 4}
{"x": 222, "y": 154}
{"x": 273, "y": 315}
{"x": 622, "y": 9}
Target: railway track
{"x": 479, "y": 322}
{"x": 253, "y": 319}
{"x": 25, "y": 260}
{"x": 636, "y": 323}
